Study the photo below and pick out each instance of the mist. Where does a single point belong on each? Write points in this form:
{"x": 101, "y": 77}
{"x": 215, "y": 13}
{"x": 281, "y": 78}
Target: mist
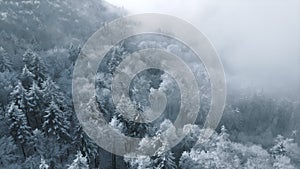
{"x": 257, "y": 41}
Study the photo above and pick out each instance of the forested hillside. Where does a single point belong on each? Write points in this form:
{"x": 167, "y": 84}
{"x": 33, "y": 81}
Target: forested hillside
{"x": 39, "y": 44}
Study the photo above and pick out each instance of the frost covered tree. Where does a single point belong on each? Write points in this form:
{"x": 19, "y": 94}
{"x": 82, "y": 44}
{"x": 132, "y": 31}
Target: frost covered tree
{"x": 160, "y": 160}
{"x": 18, "y": 96}
{"x": 39, "y": 141}
{"x": 281, "y": 152}
{"x": 5, "y": 63}
{"x": 283, "y": 162}
{"x": 35, "y": 66}
{"x": 55, "y": 122}
{"x": 51, "y": 91}
{"x": 48, "y": 148}
{"x": 88, "y": 148}
{"x": 162, "y": 157}
{"x": 164, "y": 160}
{"x": 4, "y": 123}
{"x": 125, "y": 108}
{"x": 7, "y": 84}
{"x": 80, "y": 162}
{"x": 26, "y": 78}
{"x": 220, "y": 153}
{"x": 28, "y": 97}
{"x": 34, "y": 106}
{"x": 43, "y": 164}
{"x": 138, "y": 162}
{"x": 73, "y": 52}
{"x": 7, "y": 151}
{"x": 216, "y": 152}
{"x": 38, "y": 69}
{"x": 19, "y": 128}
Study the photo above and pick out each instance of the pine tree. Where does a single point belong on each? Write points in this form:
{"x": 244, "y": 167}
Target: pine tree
{"x": 52, "y": 92}
{"x": 26, "y": 78}
{"x": 73, "y": 52}
{"x": 128, "y": 127}
{"x": 38, "y": 70}
{"x": 5, "y": 64}
{"x": 19, "y": 128}
{"x": 281, "y": 154}
{"x": 7, "y": 84}
{"x": 4, "y": 126}
{"x": 165, "y": 160}
{"x": 43, "y": 164}
{"x": 28, "y": 97}
{"x": 7, "y": 151}
{"x": 28, "y": 57}
{"x": 216, "y": 152}
{"x": 138, "y": 162}
{"x": 48, "y": 147}
{"x": 18, "y": 96}
{"x": 40, "y": 142}
{"x": 33, "y": 99}
{"x": 35, "y": 66}
{"x": 85, "y": 144}
{"x": 283, "y": 162}
{"x": 55, "y": 122}
{"x": 80, "y": 162}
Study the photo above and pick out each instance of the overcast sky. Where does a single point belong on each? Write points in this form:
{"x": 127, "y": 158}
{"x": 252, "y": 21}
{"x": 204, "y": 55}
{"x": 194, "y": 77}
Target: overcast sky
{"x": 257, "y": 40}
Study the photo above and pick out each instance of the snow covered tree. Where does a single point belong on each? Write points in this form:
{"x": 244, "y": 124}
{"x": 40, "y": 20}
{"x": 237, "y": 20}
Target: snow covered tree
{"x": 55, "y": 122}
{"x": 28, "y": 57}
{"x": 38, "y": 70}
{"x": 164, "y": 160}
{"x": 48, "y": 147}
{"x": 35, "y": 66}
{"x": 40, "y": 142}
{"x": 26, "y": 78}
{"x": 125, "y": 109}
{"x": 43, "y": 164}
{"x": 216, "y": 152}
{"x": 52, "y": 92}
{"x": 32, "y": 162}
{"x": 73, "y": 52}
{"x": 19, "y": 128}
{"x": 283, "y": 162}
{"x": 4, "y": 123}
{"x": 7, "y": 84}
{"x": 80, "y": 162}
{"x": 138, "y": 162}
{"x": 281, "y": 152}
{"x": 7, "y": 151}
{"x": 28, "y": 97}
{"x": 5, "y": 63}
{"x": 87, "y": 147}
{"x": 34, "y": 106}
{"x": 18, "y": 96}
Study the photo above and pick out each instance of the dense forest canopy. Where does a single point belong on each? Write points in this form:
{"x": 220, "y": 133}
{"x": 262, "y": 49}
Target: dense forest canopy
{"x": 39, "y": 44}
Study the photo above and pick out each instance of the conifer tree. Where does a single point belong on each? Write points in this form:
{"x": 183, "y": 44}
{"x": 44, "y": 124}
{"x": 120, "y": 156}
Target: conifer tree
{"x": 85, "y": 144}
{"x": 26, "y": 78}
{"x": 34, "y": 106}
{"x": 43, "y": 164}
{"x": 5, "y": 63}
{"x": 19, "y": 128}
{"x": 7, "y": 151}
{"x": 80, "y": 162}
{"x": 280, "y": 153}
{"x": 35, "y": 66}
{"x": 164, "y": 160}
{"x": 55, "y": 122}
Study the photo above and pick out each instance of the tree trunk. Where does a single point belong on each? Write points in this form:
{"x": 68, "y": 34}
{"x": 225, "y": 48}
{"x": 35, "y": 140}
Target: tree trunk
{"x": 113, "y": 162}
{"x": 23, "y": 151}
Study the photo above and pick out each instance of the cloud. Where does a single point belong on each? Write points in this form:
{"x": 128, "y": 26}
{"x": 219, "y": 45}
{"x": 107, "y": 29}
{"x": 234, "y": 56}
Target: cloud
{"x": 258, "y": 41}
